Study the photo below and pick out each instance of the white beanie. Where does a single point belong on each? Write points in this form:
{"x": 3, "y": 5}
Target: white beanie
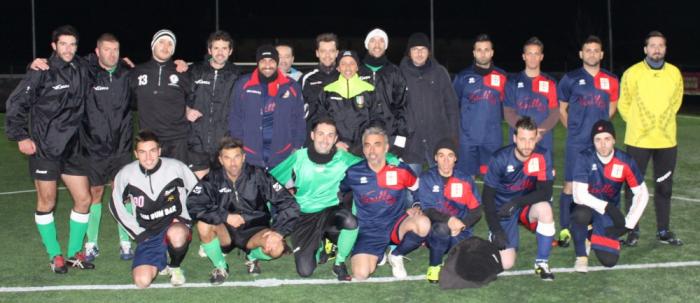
{"x": 163, "y": 34}
{"x": 374, "y": 33}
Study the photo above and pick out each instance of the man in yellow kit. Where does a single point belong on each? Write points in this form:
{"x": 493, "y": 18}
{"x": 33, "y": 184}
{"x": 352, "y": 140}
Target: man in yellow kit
{"x": 651, "y": 94}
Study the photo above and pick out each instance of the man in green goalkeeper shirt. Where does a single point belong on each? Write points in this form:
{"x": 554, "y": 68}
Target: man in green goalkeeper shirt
{"x": 316, "y": 173}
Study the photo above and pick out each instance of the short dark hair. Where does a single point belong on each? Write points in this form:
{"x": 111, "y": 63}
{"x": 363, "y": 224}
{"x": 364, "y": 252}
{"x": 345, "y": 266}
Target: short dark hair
{"x": 324, "y": 120}
{"x": 534, "y": 41}
{"x": 525, "y": 123}
{"x": 64, "y": 30}
{"x": 653, "y": 34}
{"x": 145, "y": 135}
{"x": 219, "y": 35}
{"x": 228, "y": 142}
{"x": 592, "y": 39}
{"x": 327, "y": 37}
{"x": 107, "y": 37}
{"x": 483, "y": 38}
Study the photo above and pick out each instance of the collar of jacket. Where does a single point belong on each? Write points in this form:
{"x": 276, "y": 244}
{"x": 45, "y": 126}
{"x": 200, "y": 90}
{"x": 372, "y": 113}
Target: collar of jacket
{"x": 273, "y": 86}
{"x": 56, "y": 61}
{"x": 348, "y": 88}
{"x": 148, "y": 172}
{"x": 229, "y": 66}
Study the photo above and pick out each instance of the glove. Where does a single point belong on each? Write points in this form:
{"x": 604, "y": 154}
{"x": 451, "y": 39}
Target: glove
{"x": 499, "y": 239}
{"x": 616, "y": 232}
{"x": 615, "y": 214}
{"x": 508, "y": 209}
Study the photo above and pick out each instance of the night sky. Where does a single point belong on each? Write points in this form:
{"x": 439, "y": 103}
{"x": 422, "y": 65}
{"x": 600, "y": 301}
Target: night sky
{"x": 561, "y": 25}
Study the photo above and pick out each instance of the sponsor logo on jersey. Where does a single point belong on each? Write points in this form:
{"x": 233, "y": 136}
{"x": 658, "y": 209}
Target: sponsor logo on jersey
{"x": 363, "y": 180}
{"x": 510, "y": 168}
{"x": 336, "y": 98}
{"x": 471, "y": 80}
{"x": 277, "y": 186}
{"x": 60, "y": 86}
{"x": 173, "y": 80}
{"x": 594, "y": 167}
{"x": 224, "y": 190}
{"x": 582, "y": 82}
{"x": 392, "y": 178}
{"x": 456, "y": 190}
{"x": 544, "y": 86}
{"x": 605, "y": 83}
{"x": 533, "y": 165}
{"x": 495, "y": 80}
{"x": 252, "y": 91}
{"x": 99, "y": 88}
{"x": 521, "y": 85}
{"x": 197, "y": 190}
{"x": 616, "y": 171}
{"x": 41, "y": 172}
{"x": 202, "y": 81}
{"x": 286, "y": 95}
{"x": 316, "y": 83}
{"x": 436, "y": 189}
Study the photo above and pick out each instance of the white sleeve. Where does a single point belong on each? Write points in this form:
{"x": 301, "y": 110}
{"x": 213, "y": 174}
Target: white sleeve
{"x": 120, "y": 213}
{"x": 639, "y": 203}
{"x": 583, "y": 197}
{"x": 190, "y": 181}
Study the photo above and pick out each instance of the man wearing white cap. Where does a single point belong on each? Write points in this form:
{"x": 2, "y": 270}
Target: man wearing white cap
{"x": 390, "y": 88}
{"x": 161, "y": 96}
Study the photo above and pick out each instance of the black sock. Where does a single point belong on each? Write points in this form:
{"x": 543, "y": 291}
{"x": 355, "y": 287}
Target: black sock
{"x": 177, "y": 254}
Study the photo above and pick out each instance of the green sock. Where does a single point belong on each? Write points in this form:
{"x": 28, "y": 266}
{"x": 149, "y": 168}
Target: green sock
{"x": 258, "y": 254}
{"x": 123, "y": 235}
{"x": 213, "y": 250}
{"x": 346, "y": 240}
{"x": 47, "y": 231}
{"x": 93, "y": 228}
{"x": 318, "y": 251}
{"x": 78, "y": 227}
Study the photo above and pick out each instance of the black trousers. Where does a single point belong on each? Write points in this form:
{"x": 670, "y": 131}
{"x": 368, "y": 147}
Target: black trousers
{"x": 664, "y": 161}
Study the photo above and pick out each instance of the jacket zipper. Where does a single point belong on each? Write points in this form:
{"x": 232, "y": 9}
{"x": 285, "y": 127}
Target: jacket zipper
{"x": 160, "y": 70}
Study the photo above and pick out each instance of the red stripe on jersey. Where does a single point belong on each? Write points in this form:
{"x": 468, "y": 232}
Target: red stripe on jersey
{"x": 524, "y": 219}
{"x": 395, "y": 178}
{"x": 547, "y": 88}
{"x": 496, "y": 81}
{"x": 604, "y": 241}
{"x": 460, "y": 192}
{"x": 483, "y": 169}
{"x": 536, "y": 166}
{"x": 604, "y": 82}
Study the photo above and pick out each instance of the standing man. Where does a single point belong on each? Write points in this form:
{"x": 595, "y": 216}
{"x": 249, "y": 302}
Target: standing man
{"x": 389, "y": 89}
{"x": 651, "y": 94}
{"x": 44, "y": 114}
{"x": 163, "y": 96}
{"x": 286, "y": 53}
{"x": 230, "y": 206}
{"x": 517, "y": 190}
{"x": 450, "y": 199}
{"x": 160, "y": 224}
{"x": 599, "y": 175}
{"x": 534, "y": 94}
{"x": 314, "y": 81}
{"x": 378, "y": 190}
{"x": 213, "y": 81}
{"x": 480, "y": 91}
{"x": 267, "y": 112}
{"x": 431, "y": 103}
{"x": 586, "y": 95}
{"x": 315, "y": 172}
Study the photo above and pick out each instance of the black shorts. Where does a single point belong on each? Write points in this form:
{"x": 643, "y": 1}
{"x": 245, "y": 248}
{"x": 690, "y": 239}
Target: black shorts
{"x": 176, "y": 149}
{"x": 240, "y": 237}
{"x": 310, "y": 229}
{"x": 103, "y": 171}
{"x": 199, "y": 160}
{"x": 51, "y": 170}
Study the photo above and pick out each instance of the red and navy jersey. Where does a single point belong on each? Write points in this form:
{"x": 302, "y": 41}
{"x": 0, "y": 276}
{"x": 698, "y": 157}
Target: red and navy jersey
{"x": 454, "y": 196}
{"x": 589, "y": 99}
{"x": 605, "y": 180}
{"x": 480, "y": 99}
{"x": 512, "y": 178}
{"x": 379, "y": 197}
{"x": 535, "y": 97}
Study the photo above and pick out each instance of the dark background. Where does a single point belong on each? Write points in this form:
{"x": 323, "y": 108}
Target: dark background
{"x": 560, "y": 24}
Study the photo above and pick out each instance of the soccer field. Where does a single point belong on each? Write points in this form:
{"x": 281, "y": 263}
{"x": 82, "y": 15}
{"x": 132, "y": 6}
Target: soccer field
{"x": 646, "y": 273}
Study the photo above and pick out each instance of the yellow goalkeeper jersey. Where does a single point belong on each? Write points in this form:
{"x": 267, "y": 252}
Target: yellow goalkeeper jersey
{"x": 649, "y": 101}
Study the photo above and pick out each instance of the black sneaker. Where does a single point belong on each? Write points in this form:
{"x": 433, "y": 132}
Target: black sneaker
{"x": 341, "y": 272}
{"x": 668, "y": 237}
{"x": 542, "y": 269}
{"x": 218, "y": 276}
{"x": 322, "y": 257}
{"x": 78, "y": 261}
{"x": 58, "y": 265}
{"x": 253, "y": 267}
{"x": 632, "y": 239}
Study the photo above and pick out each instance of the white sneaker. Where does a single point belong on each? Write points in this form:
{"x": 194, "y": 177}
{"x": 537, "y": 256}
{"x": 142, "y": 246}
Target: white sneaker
{"x": 201, "y": 252}
{"x": 165, "y": 272}
{"x": 177, "y": 276}
{"x": 581, "y": 264}
{"x": 383, "y": 261}
{"x": 397, "y": 268}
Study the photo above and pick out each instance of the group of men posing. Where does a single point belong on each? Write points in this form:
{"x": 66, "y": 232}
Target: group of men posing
{"x": 373, "y": 158}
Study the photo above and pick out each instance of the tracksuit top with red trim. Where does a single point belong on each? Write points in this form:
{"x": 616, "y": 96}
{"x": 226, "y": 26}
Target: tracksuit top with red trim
{"x": 480, "y": 99}
{"x": 379, "y": 197}
{"x": 512, "y": 178}
{"x": 255, "y": 106}
{"x": 589, "y": 99}
{"x": 535, "y": 97}
{"x": 605, "y": 180}
{"x": 455, "y": 197}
